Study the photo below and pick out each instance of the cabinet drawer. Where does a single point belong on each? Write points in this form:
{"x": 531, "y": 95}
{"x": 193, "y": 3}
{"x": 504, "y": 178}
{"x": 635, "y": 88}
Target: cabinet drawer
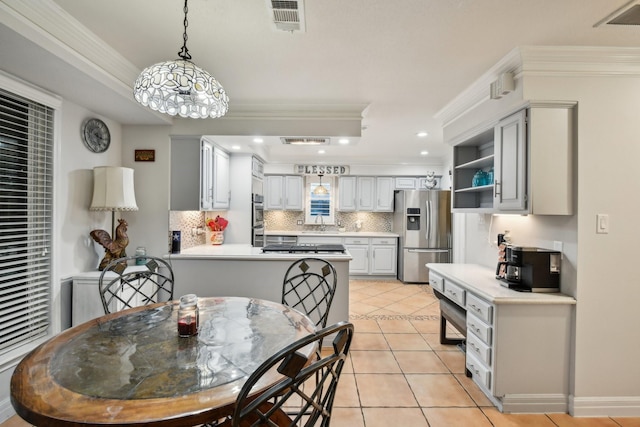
{"x": 356, "y": 241}
{"x": 476, "y": 347}
{"x": 480, "y": 308}
{"x": 383, "y": 241}
{"x": 481, "y": 373}
{"x": 436, "y": 282}
{"x": 454, "y": 293}
{"x": 479, "y": 328}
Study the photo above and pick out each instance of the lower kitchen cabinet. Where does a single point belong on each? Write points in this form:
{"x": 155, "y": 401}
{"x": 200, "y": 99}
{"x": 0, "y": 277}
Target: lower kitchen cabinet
{"x": 359, "y": 250}
{"x": 372, "y": 256}
{"x": 518, "y": 344}
{"x": 384, "y": 255}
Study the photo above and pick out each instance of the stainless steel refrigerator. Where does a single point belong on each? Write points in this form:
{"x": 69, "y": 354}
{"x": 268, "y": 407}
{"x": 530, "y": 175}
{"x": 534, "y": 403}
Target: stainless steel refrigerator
{"x": 422, "y": 218}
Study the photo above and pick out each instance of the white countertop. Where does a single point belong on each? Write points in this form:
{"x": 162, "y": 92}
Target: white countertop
{"x": 231, "y": 251}
{"x": 330, "y": 233}
{"x": 481, "y": 281}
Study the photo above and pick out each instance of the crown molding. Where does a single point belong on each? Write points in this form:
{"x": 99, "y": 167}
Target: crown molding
{"x": 546, "y": 61}
{"x": 286, "y": 111}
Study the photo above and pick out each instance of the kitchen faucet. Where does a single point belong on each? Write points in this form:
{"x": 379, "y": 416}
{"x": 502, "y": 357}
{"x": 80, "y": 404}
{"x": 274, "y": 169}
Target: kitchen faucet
{"x": 322, "y": 226}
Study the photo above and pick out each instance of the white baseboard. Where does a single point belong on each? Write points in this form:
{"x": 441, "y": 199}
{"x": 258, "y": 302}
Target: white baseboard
{"x": 615, "y": 406}
{"x": 6, "y": 410}
{"x": 535, "y": 403}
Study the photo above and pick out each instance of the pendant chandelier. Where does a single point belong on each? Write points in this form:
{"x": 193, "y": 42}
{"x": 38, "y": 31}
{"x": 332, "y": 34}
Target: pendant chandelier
{"x": 320, "y": 190}
{"x": 181, "y": 87}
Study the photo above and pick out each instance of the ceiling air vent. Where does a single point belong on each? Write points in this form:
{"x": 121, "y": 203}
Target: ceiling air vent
{"x": 287, "y": 15}
{"x": 629, "y": 14}
{"x": 292, "y": 140}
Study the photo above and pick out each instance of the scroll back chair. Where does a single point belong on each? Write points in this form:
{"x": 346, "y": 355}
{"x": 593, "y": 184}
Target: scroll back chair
{"x": 309, "y": 286}
{"x": 121, "y": 287}
{"x": 305, "y": 395}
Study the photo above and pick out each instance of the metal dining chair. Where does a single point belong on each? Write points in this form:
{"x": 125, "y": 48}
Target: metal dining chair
{"x": 305, "y": 395}
{"x": 146, "y": 281}
{"x": 309, "y": 286}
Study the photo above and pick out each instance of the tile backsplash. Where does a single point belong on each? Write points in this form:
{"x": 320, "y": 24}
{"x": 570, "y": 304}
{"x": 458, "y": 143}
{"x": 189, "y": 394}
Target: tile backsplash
{"x": 186, "y": 221}
{"x": 288, "y": 221}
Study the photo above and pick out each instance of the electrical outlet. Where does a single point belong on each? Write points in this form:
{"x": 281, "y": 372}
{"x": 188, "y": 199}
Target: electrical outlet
{"x": 339, "y": 223}
{"x": 299, "y": 222}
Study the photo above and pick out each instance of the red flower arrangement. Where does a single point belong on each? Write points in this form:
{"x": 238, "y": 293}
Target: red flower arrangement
{"x": 217, "y": 224}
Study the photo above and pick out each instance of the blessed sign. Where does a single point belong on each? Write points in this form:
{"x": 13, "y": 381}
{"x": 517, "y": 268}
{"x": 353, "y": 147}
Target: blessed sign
{"x": 321, "y": 170}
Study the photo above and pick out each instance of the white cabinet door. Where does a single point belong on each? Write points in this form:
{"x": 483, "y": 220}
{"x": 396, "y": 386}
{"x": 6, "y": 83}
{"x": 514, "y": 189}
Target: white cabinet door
{"x": 406, "y": 183}
{"x": 293, "y": 193}
{"x": 383, "y": 259}
{"x": 221, "y": 193}
{"x": 347, "y": 193}
{"x": 366, "y": 193}
{"x": 510, "y": 166}
{"x": 360, "y": 262}
{"x": 384, "y": 192}
{"x": 206, "y": 175}
{"x": 274, "y": 197}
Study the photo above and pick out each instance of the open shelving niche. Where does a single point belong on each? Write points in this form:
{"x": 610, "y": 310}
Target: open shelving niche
{"x": 470, "y": 156}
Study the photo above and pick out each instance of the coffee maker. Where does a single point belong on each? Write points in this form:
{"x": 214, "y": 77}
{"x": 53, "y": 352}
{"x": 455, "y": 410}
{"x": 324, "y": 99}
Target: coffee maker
{"x": 530, "y": 269}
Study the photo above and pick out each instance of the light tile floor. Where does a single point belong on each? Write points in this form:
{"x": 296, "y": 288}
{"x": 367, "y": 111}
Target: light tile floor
{"x": 398, "y": 374}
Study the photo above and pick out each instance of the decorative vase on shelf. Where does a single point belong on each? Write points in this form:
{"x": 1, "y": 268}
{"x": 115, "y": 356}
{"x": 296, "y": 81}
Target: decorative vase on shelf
{"x": 217, "y": 237}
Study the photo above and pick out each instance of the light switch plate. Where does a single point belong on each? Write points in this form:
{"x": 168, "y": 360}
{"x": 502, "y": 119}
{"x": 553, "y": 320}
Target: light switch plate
{"x": 602, "y": 223}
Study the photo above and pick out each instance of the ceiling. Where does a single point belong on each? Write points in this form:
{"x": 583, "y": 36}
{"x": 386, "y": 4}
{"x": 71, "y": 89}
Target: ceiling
{"x": 393, "y": 64}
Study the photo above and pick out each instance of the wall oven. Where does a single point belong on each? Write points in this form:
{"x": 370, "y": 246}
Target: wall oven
{"x": 257, "y": 220}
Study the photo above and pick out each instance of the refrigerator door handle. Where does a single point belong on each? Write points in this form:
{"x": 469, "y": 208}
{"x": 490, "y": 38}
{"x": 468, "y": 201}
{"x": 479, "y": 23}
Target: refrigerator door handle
{"x": 428, "y": 250}
{"x": 429, "y": 222}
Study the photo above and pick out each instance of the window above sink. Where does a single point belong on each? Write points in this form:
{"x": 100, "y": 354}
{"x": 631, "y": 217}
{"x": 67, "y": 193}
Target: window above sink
{"x": 319, "y": 208}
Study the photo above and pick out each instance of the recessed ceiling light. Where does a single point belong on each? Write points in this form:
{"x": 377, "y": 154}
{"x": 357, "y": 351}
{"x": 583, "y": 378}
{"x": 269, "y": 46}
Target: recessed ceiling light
{"x": 422, "y": 134}
{"x": 343, "y": 141}
{"x": 424, "y": 152}
{"x": 258, "y": 140}
{"x": 235, "y": 147}
{"x": 321, "y": 151}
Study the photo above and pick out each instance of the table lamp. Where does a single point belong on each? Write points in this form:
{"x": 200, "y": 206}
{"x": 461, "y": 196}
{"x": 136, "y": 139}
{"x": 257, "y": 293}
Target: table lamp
{"x": 113, "y": 191}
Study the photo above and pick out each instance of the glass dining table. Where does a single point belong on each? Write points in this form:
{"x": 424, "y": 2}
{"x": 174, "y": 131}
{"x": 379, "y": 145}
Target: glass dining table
{"x": 132, "y": 368}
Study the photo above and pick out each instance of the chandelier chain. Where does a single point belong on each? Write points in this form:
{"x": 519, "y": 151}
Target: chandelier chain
{"x": 184, "y": 52}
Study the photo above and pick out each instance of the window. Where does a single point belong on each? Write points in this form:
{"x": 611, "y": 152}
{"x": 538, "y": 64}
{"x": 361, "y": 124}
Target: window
{"x": 26, "y": 226}
{"x": 319, "y": 207}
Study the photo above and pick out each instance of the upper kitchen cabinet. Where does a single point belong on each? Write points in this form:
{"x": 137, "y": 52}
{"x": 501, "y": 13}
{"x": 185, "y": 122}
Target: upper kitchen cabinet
{"x": 284, "y": 192}
{"x": 365, "y": 193}
{"x": 221, "y": 193}
{"x": 520, "y": 164}
{"x": 202, "y": 187}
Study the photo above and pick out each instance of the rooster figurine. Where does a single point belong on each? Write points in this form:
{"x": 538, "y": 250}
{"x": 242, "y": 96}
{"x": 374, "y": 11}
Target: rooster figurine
{"x": 113, "y": 248}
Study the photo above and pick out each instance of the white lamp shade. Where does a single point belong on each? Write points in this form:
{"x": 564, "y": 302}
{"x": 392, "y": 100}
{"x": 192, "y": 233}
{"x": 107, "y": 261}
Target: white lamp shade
{"x": 113, "y": 189}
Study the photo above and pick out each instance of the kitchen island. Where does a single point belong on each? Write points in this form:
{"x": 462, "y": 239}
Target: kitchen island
{"x": 244, "y": 271}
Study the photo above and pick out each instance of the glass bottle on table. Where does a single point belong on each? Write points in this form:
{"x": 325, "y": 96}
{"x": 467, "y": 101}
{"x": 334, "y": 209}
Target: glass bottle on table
{"x": 188, "y": 315}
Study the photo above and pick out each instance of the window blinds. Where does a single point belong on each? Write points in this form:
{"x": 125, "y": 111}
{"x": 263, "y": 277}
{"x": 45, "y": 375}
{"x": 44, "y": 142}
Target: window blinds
{"x": 26, "y": 209}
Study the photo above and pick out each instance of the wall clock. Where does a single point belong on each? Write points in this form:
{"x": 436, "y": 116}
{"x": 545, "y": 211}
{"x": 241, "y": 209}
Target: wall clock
{"x": 95, "y": 135}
